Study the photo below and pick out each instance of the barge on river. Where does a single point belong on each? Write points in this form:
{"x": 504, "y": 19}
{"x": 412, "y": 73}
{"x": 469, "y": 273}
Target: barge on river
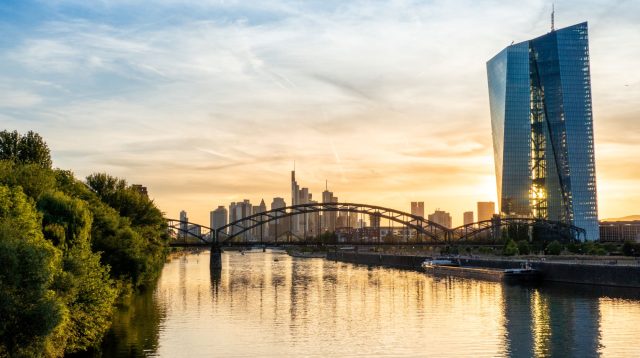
{"x": 452, "y": 267}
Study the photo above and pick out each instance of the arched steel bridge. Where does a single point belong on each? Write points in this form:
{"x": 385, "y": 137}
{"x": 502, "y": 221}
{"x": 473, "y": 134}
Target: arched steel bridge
{"x": 427, "y": 232}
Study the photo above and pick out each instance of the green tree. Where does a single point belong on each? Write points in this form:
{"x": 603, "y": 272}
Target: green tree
{"x": 106, "y": 186}
{"x": 33, "y": 149}
{"x": 56, "y": 286}
{"x": 84, "y": 284}
{"x": 131, "y": 256}
{"x": 135, "y": 248}
{"x": 575, "y": 248}
{"x": 630, "y": 248}
{"x": 26, "y": 149}
{"x": 70, "y": 214}
{"x": 523, "y": 247}
{"x": 554, "y": 248}
{"x": 9, "y": 143}
{"x": 88, "y": 291}
{"x": 33, "y": 179}
{"x": 510, "y": 248}
{"x": 30, "y": 310}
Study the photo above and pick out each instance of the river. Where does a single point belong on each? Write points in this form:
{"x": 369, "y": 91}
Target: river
{"x": 273, "y": 305}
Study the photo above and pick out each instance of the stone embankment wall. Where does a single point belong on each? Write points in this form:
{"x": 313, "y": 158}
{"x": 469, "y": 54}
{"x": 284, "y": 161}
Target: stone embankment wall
{"x": 573, "y": 272}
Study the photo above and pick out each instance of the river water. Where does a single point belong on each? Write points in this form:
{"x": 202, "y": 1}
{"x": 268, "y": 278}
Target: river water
{"x": 273, "y": 305}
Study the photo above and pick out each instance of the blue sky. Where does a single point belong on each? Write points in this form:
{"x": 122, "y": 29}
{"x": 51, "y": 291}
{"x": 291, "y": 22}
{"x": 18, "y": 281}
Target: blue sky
{"x": 208, "y": 102}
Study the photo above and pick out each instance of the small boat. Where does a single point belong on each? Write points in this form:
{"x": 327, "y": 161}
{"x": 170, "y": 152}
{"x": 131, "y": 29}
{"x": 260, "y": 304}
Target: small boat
{"x": 522, "y": 275}
{"x": 431, "y": 263}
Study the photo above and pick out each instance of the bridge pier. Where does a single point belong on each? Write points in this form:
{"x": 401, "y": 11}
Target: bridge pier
{"x": 216, "y": 257}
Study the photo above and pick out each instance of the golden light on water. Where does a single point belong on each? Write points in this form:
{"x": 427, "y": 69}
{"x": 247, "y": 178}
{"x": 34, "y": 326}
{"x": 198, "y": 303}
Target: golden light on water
{"x": 276, "y": 306}
{"x": 541, "y": 325}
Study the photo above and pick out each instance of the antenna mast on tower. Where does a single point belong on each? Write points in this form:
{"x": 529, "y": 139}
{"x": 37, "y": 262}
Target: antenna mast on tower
{"x": 553, "y": 12}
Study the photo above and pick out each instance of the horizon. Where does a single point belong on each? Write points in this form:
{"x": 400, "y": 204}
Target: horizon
{"x": 207, "y": 103}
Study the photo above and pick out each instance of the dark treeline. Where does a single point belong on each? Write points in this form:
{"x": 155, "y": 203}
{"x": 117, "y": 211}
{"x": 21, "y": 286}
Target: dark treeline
{"x": 68, "y": 250}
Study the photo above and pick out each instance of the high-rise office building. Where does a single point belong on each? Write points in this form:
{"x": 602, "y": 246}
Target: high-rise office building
{"x": 486, "y": 210}
{"x": 279, "y": 226}
{"x": 184, "y": 226}
{"x": 353, "y": 219}
{"x": 295, "y": 198}
{"x": 238, "y": 211}
{"x": 298, "y": 196}
{"x": 542, "y": 126}
{"x": 467, "y": 218}
{"x": 441, "y": 217}
{"x": 329, "y": 218}
{"x": 218, "y": 218}
{"x": 195, "y": 231}
{"x": 261, "y": 230}
{"x": 417, "y": 208}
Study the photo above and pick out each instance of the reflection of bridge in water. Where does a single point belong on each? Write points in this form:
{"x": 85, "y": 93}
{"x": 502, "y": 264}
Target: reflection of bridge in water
{"x": 427, "y": 233}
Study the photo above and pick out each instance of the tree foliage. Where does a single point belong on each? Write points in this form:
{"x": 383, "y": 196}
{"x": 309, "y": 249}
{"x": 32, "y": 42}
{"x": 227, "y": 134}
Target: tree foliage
{"x": 510, "y": 248}
{"x": 67, "y": 218}
{"x": 29, "y": 307}
{"x": 523, "y": 247}
{"x": 24, "y": 149}
{"x": 67, "y": 249}
{"x": 630, "y": 248}
{"x": 554, "y": 248}
{"x": 136, "y": 245}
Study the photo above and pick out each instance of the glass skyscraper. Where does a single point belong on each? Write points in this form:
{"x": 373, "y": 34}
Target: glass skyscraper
{"x": 542, "y": 127}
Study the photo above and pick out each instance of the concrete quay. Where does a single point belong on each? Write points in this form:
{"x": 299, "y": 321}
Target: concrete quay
{"x": 605, "y": 273}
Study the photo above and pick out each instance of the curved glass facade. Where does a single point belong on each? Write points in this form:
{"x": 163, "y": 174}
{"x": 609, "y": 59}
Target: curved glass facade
{"x": 542, "y": 127}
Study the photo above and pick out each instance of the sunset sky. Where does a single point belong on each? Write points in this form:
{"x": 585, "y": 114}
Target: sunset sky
{"x": 208, "y": 102}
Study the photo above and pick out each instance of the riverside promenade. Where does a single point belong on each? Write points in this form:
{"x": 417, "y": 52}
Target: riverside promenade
{"x": 621, "y": 272}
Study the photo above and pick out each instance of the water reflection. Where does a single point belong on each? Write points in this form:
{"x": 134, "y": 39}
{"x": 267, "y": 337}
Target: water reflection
{"x": 274, "y": 305}
{"x": 135, "y": 329}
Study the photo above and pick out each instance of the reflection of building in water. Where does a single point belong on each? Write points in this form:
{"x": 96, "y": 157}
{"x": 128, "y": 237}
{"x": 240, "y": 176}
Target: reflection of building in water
{"x": 541, "y": 323}
{"x": 518, "y": 321}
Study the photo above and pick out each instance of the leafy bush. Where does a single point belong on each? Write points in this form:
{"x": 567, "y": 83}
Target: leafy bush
{"x": 631, "y": 248}
{"x": 24, "y": 149}
{"x": 523, "y": 247}
{"x": 510, "y": 248}
{"x": 67, "y": 250}
{"x": 554, "y": 248}
{"x": 30, "y": 310}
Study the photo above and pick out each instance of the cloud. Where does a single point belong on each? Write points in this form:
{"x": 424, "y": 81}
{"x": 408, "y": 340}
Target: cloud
{"x": 11, "y": 98}
{"x": 208, "y": 101}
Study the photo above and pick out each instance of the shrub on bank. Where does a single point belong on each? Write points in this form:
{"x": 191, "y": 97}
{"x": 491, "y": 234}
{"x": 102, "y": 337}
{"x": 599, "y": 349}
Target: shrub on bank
{"x": 510, "y": 248}
{"x": 523, "y": 247}
{"x": 631, "y": 248}
{"x": 67, "y": 250}
{"x": 554, "y": 248}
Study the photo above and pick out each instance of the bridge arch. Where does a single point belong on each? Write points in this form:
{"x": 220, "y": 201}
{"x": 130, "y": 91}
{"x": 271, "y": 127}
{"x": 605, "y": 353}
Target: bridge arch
{"x": 497, "y": 224}
{"x": 436, "y": 232}
{"x": 472, "y": 233}
{"x": 182, "y": 229}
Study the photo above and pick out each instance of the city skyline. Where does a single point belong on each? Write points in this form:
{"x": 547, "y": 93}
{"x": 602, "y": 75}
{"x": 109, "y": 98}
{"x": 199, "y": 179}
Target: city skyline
{"x": 328, "y": 221}
{"x": 213, "y": 103}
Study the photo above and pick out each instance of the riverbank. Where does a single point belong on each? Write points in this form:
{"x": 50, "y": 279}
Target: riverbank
{"x": 606, "y": 273}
